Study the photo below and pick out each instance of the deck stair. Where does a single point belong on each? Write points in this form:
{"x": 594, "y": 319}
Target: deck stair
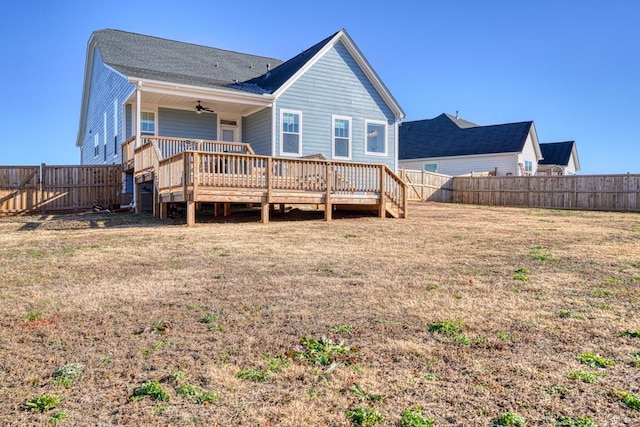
{"x": 186, "y": 171}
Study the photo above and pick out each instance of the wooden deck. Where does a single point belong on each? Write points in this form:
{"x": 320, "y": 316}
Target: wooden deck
{"x": 195, "y": 172}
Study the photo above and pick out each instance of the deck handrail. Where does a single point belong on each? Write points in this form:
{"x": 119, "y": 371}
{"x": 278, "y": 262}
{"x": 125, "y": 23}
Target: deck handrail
{"x": 195, "y": 169}
{"x": 170, "y": 146}
{"x": 127, "y": 151}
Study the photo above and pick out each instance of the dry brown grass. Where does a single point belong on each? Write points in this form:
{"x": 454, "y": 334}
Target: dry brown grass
{"x": 92, "y": 289}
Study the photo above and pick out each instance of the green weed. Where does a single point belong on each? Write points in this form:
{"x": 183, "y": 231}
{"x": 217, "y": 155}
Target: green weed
{"x": 452, "y": 329}
{"x": 584, "y": 376}
{"x": 541, "y": 254}
{"x": 595, "y": 360}
{"x": 178, "y": 374}
{"x": 414, "y": 418}
{"x": 635, "y": 361}
{"x": 631, "y": 334}
{"x": 255, "y": 375}
{"x": 558, "y": 389}
{"x": 278, "y": 363}
{"x": 161, "y": 327}
{"x": 365, "y": 417}
{"x": 67, "y": 374}
{"x": 43, "y": 403}
{"x": 206, "y": 397}
{"x": 343, "y": 329}
{"x": 521, "y": 274}
{"x": 504, "y": 336}
{"x": 34, "y": 315}
{"x": 151, "y": 389}
{"x": 629, "y": 399}
{"x": 58, "y": 417}
{"x": 323, "y": 351}
{"x": 575, "y": 422}
{"x": 510, "y": 419}
{"x": 349, "y": 236}
{"x": 431, "y": 287}
{"x": 364, "y": 395}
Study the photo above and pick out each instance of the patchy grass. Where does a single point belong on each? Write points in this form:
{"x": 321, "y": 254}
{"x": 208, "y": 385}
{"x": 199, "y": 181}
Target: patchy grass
{"x": 357, "y": 313}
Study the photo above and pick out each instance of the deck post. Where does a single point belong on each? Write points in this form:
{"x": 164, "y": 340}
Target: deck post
{"x": 227, "y": 209}
{"x": 267, "y": 197}
{"x": 191, "y": 213}
{"x": 137, "y": 196}
{"x": 163, "y": 210}
{"x": 383, "y": 203}
{"x": 328, "y": 207}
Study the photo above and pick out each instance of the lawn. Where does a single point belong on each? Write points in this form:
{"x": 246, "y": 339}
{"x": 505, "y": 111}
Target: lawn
{"x": 457, "y": 316}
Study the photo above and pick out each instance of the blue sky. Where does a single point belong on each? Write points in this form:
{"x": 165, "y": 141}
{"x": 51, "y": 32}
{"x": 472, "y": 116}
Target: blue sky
{"x": 571, "y": 67}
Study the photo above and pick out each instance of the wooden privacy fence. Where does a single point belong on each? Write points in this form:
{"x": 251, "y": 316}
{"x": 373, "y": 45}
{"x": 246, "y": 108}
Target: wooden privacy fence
{"x": 585, "y": 192}
{"x": 30, "y": 189}
{"x": 423, "y": 186}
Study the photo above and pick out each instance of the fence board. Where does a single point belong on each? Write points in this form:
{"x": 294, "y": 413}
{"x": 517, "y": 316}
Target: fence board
{"x": 29, "y": 189}
{"x": 587, "y": 192}
{"x": 429, "y": 186}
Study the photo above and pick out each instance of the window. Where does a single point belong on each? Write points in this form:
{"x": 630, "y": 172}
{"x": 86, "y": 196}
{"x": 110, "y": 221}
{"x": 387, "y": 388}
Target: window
{"x": 147, "y": 123}
{"x": 96, "y": 144}
{"x": 528, "y": 167}
{"x": 376, "y": 133}
{"x": 430, "y": 167}
{"x": 290, "y": 136}
{"x": 115, "y": 127}
{"x": 341, "y": 141}
{"x": 104, "y": 135}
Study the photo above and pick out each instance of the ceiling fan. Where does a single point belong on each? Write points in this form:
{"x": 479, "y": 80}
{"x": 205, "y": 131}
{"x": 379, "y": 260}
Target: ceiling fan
{"x": 200, "y": 108}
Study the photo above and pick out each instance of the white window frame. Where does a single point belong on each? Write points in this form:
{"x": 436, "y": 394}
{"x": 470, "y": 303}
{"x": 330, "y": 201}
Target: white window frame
{"x": 431, "y": 163}
{"x": 104, "y": 136}
{"x": 282, "y": 132}
{"x": 386, "y": 142}
{"x": 155, "y": 123}
{"x": 528, "y": 172}
{"x": 333, "y": 137}
{"x": 96, "y": 144}
{"x": 115, "y": 127}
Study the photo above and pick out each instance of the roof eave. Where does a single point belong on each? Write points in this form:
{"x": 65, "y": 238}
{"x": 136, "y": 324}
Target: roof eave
{"x": 88, "y": 70}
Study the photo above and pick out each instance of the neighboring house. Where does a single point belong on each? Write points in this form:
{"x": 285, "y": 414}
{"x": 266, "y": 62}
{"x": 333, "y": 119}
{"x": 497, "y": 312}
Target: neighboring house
{"x": 559, "y": 158}
{"x": 326, "y": 100}
{"x": 449, "y": 145}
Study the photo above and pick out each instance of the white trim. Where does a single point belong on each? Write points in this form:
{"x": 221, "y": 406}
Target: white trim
{"x": 96, "y": 145}
{"x": 237, "y": 129}
{"x": 281, "y": 132}
{"x": 428, "y": 159}
{"x": 386, "y": 138}
{"x": 104, "y": 136}
{"x": 395, "y": 147}
{"x": 333, "y": 137}
{"x": 274, "y": 129}
{"x": 115, "y": 126}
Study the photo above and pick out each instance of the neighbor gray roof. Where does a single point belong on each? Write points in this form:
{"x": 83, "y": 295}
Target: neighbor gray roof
{"x": 556, "y": 153}
{"x": 154, "y": 58}
{"x": 447, "y": 136}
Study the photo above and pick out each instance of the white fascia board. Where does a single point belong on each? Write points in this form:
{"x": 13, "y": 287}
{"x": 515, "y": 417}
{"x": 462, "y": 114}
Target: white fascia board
{"x": 88, "y": 70}
{"x": 209, "y": 94}
{"x": 536, "y": 143}
{"x": 468, "y": 156}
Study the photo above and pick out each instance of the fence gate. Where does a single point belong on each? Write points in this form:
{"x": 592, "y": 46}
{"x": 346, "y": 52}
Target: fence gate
{"x": 19, "y": 189}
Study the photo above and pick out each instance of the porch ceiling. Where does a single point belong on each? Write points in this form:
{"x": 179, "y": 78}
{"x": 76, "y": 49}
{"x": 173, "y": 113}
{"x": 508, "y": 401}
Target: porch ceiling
{"x": 188, "y": 103}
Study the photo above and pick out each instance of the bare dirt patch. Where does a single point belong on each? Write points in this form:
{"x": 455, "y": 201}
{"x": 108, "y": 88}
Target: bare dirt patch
{"x": 468, "y": 312}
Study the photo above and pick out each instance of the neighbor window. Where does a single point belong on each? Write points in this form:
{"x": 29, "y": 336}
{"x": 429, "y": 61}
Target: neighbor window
{"x": 341, "y": 137}
{"x": 291, "y": 132}
{"x": 147, "y": 123}
{"x": 528, "y": 167}
{"x": 115, "y": 127}
{"x": 430, "y": 167}
{"x": 376, "y": 134}
{"x": 96, "y": 144}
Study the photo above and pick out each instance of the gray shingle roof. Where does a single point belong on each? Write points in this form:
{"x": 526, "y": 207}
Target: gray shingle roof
{"x": 147, "y": 57}
{"x": 556, "y": 153}
{"x": 446, "y": 136}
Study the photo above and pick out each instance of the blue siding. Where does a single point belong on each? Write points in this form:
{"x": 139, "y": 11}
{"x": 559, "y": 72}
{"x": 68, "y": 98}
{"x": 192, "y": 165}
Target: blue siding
{"x": 256, "y": 130}
{"x": 336, "y": 85}
{"x": 106, "y": 87}
{"x": 186, "y": 124}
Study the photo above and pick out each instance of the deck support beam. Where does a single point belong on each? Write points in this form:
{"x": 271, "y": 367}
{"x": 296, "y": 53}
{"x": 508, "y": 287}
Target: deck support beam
{"x": 163, "y": 210}
{"x": 265, "y": 212}
{"x": 191, "y": 213}
{"x": 227, "y": 209}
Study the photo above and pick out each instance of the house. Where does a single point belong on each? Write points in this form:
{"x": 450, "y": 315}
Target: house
{"x": 326, "y": 101}
{"x": 450, "y": 145}
{"x": 559, "y": 158}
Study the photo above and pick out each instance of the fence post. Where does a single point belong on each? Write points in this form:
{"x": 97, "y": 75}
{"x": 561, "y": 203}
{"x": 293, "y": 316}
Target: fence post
{"x": 40, "y": 192}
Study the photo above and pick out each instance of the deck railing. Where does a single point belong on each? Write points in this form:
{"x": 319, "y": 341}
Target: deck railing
{"x": 191, "y": 170}
{"x": 128, "y": 150}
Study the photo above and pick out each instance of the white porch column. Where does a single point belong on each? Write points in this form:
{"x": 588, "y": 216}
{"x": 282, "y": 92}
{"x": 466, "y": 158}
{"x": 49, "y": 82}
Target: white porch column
{"x": 136, "y": 190}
